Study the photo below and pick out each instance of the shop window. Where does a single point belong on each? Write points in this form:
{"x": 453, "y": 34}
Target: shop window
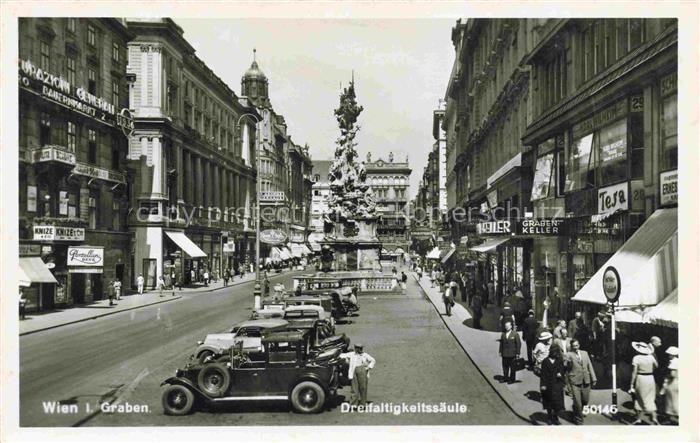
{"x": 578, "y": 174}
{"x": 44, "y": 56}
{"x": 115, "y": 154}
{"x": 71, "y": 136}
{"x": 637, "y": 145}
{"x": 45, "y": 129}
{"x": 72, "y": 205}
{"x": 92, "y": 80}
{"x": 92, "y": 146}
{"x": 636, "y": 32}
{"x": 542, "y": 181}
{"x": 669, "y": 133}
{"x": 612, "y": 153}
{"x": 63, "y": 203}
{"x": 70, "y": 68}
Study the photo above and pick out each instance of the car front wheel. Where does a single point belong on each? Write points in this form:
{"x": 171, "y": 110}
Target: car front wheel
{"x": 214, "y": 379}
{"x": 204, "y": 355}
{"x": 308, "y": 397}
{"x": 177, "y": 400}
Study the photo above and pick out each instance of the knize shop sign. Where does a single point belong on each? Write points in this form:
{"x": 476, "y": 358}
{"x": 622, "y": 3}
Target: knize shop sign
{"x": 43, "y": 232}
{"x": 85, "y": 256}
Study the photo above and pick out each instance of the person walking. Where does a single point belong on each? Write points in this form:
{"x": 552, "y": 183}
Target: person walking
{"x": 563, "y": 342}
{"x": 642, "y": 383}
{"x": 669, "y": 389}
{"x": 509, "y": 350}
{"x": 193, "y": 276}
{"x": 419, "y": 271}
{"x": 477, "y": 311}
{"x": 491, "y": 288}
{"x": 404, "y": 279}
{"x": 552, "y": 385}
{"x": 110, "y": 293}
{"x": 359, "y": 365}
{"x": 22, "y": 305}
{"x": 541, "y": 350}
{"x": 506, "y": 315}
{"x": 530, "y": 327}
{"x": 266, "y": 285}
{"x": 118, "y": 289}
{"x": 454, "y": 286}
{"x": 574, "y": 325}
{"x": 598, "y": 336}
{"x": 227, "y": 275}
{"x": 139, "y": 283}
{"x": 206, "y": 278}
{"x": 462, "y": 281}
{"x": 447, "y": 299}
{"x": 580, "y": 377}
{"x": 161, "y": 285}
{"x": 561, "y": 325}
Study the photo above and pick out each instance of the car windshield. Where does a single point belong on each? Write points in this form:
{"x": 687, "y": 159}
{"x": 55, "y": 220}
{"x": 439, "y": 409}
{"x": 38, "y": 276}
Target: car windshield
{"x": 301, "y": 314}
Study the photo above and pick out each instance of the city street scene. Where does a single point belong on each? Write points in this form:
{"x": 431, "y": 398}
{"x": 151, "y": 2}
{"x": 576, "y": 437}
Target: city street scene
{"x": 459, "y": 221}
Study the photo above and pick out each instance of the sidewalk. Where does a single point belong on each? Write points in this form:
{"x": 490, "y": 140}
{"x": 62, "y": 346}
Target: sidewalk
{"x": 522, "y": 397}
{"x": 42, "y": 321}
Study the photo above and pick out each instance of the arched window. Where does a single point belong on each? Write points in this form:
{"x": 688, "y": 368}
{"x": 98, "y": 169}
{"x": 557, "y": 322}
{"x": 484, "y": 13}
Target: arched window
{"x": 317, "y": 178}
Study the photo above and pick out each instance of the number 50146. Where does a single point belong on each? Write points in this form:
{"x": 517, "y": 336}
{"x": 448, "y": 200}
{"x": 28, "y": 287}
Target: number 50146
{"x": 599, "y": 409}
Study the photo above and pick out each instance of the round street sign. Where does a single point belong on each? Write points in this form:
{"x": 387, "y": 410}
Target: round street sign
{"x": 611, "y": 284}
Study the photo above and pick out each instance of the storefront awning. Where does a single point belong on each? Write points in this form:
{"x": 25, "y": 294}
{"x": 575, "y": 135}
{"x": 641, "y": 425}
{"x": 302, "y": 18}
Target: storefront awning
{"x": 186, "y": 244}
{"x": 665, "y": 313}
{"x": 448, "y": 255}
{"x": 489, "y": 245}
{"x": 434, "y": 254}
{"x": 34, "y": 270}
{"x": 280, "y": 253}
{"x": 297, "y": 250}
{"x": 647, "y": 264}
{"x": 306, "y": 250}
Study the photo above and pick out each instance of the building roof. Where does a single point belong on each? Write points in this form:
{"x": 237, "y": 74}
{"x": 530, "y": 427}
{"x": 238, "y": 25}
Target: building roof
{"x": 254, "y": 72}
{"x": 322, "y": 168}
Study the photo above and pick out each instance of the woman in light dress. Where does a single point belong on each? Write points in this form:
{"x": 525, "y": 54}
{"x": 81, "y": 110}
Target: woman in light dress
{"x": 642, "y": 385}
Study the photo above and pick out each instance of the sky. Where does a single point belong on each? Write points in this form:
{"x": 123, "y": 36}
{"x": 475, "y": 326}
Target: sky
{"x": 401, "y": 69}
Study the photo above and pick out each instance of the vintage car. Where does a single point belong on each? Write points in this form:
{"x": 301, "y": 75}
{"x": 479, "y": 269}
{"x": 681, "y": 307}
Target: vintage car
{"x": 267, "y": 312}
{"x": 284, "y": 370}
{"x": 343, "y": 300}
{"x": 248, "y": 333}
{"x": 308, "y": 311}
{"x": 323, "y": 302}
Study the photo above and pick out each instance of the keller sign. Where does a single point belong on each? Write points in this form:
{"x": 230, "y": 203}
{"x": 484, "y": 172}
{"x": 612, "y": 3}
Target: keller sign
{"x": 85, "y": 256}
{"x": 48, "y": 232}
{"x": 541, "y": 226}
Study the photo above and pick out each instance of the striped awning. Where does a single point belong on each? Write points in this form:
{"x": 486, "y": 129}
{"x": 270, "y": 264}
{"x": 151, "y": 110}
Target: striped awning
{"x": 34, "y": 270}
{"x": 647, "y": 264}
{"x": 665, "y": 313}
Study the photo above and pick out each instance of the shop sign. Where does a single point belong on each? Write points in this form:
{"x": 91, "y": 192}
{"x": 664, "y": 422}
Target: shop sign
{"x": 53, "y": 153}
{"x": 48, "y": 232}
{"x": 100, "y": 173}
{"x": 85, "y": 256}
{"x": 669, "y": 83}
{"x": 230, "y": 247}
{"x": 541, "y": 226}
{"x": 611, "y": 284}
{"x": 492, "y": 198}
{"x": 494, "y": 227}
{"x": 296, "y": 236}
{"x": 613, "y": 198}
{"x": 271, "y": 196}
{"x": 273, "y": 236}
{"x": 85, "y": 270}
{"x": 601, "y": 119}
{"x": 668, "y": 182}
{"x": 29, "y": 249}
{"x": 637, "y": 191}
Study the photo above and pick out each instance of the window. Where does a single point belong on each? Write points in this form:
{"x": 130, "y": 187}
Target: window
{"x": 577, "y": 168}
{"x": 72, "y": 204}
{"x": 45, "y": 56}
{"x": 63, "y": 203}
{"x": 71, "y": 131}
{"x": 70, "y": 25}
{"x": 669, "y": 133}
{"x": 636, "y": 145}
{"x": 70, "y": 68}
{"x": 45, "y": 129}
{"x": 636, "y": 32}
{"x": 115, "y": 216}
{"x": 92, "y": 146}
{"x": 612, "y": 153}
{"x": 91, "y": 35}
{"x": 542, "y": 181}
{"x": 92, "y": 212}
{"x": 115, "y": 154}
{"x": 188, "y": 115}
{"x": 92, "y": 81}
{"x": 115, "y": 52}
{"x": 115, "y": 92}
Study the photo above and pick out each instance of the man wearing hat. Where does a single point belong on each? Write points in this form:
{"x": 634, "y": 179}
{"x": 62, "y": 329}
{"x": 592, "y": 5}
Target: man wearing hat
{"x": 580, "y": 377}
{"x": 359, "y": 364}
{"x": 509, "y": 350}
{"x": 541, "y": 350}
{"x": 530, "y": 326}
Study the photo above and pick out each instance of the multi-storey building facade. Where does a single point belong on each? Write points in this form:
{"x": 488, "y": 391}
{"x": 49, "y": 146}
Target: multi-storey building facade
{"x": 299, "y": 170}
{"x": 73, "y": 127}
{"x": 320, "y": 193}
{"x": 192, "y": 160}
{"x": 389, "y": 181}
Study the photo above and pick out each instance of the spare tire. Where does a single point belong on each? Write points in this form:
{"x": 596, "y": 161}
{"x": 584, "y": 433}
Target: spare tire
{"x": 214, "y": 379}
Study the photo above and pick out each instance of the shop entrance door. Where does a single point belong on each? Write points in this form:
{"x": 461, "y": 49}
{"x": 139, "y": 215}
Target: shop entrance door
{"x": 77, "y": 288}
{"x": 47, "y": 298}
{"x": 119, "y": 272}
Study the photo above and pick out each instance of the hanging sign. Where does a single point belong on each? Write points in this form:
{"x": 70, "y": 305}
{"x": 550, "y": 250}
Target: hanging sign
{"x": 611, "y": 284}
{"x": 613, "y": 198}
{"x": 85, "y": 256}
{"x": 668, "y": 182}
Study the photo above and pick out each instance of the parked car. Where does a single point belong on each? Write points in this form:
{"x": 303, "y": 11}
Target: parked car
{"x": 343, "y": 300}
{"x": 324, "y": 302}
{"x": 249, "y": 333}
{"x": 308, "y": 311}
{"x": 285, "y": 370}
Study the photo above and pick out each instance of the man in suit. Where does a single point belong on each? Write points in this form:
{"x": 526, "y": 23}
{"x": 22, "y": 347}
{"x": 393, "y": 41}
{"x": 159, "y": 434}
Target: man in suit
{"x": 574, "y": 325}
{"x": 580, "y": 377}
{"x": 509, "y": 350}
{"x": 530, "y": 327}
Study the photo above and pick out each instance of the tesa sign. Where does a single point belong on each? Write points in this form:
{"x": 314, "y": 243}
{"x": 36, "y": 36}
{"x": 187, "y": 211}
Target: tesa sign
{"x": 613, "y": 198}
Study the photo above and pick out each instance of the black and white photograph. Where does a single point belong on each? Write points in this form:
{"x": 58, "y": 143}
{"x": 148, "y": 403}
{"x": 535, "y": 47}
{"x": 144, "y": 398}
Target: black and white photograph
{"x": 448, "y": 221}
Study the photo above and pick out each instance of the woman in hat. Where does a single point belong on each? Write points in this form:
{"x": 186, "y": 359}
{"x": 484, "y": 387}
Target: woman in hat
{"x": 552, "y": 384}
{"x": 541, "y": 350}
{"x": 643, "y": 386}
{"x": 670, "y": 390}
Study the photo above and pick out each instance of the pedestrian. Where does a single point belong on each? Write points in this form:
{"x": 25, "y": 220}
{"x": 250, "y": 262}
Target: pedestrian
{"x": 574, "y": 325}
{"x": 419, "y": 271}
{"x": 552, "y": 385}
{"x": 139, "y": 283}
{"x": 669, "y": 389}
{"x": 118, "y": 289}
{"x": 173, "y": 279}
{"x": 359, "y": 365}
{"x": 642, "y": 383}
{"x": 433, "y": 277}
{"x": 530, "y": 326}
{"x": 404, "y": 279}
{"x": 491, "y": 288}
{"x": 520, "y": 308}
{"x": 462, "y": 281}
{"x": 453, "y": 286}
{"x": 477, "y": 311}
{"x": 506, "y": 315}
{"x": 226, "y": 277}
{"x": 193, "y": 276}
{"x": 563, "y": 343}
{"x": 110, "y": 293}
{"x": 206, "y": 278}
{"x": 541, "y": 350}
{"x": 447, "y": 299}
{"x": 561, "y": 324}
{"x": 580, "y": 378}
{"x": 201, "y": 274}
{"x": 22, "y": 305}
{"x": 655, "y": 346}
{"x": 161, "y": 285}
{"x": 266, "y": 286}
{"x": 597, "y": 335}
{"x": 509, "y": 350}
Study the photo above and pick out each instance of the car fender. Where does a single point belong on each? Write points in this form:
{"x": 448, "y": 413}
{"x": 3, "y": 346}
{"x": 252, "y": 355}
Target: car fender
{"x": 188, "y": 384}
{"x": 215, "y": 349}
{"x": 308, "y": 376}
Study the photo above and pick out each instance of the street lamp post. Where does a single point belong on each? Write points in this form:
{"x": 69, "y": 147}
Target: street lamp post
{"x": 256, "y": 289}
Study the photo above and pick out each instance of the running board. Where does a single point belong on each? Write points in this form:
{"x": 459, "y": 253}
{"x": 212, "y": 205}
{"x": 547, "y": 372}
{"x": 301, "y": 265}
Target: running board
{"x": 265, "y": 397}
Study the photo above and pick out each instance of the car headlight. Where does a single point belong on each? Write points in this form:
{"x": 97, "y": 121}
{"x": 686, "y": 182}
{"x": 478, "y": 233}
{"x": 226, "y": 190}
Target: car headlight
{"x": 200, "y": 342}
